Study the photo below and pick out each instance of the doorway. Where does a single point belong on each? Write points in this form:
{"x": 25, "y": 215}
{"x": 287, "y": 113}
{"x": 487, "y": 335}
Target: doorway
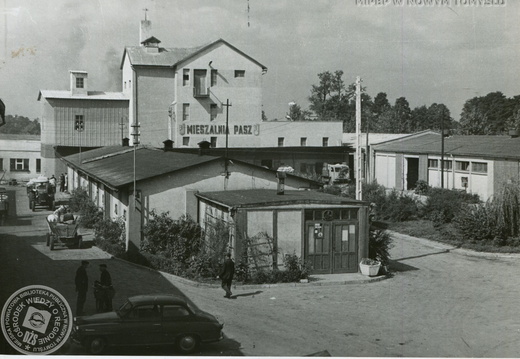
{"x": 412, "y": 172}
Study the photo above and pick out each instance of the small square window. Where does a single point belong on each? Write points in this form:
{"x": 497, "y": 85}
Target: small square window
{"x": 303, "y": 141}
{"x": 462, "y": 165}
{"x": 213, "y": 112}
{"x": 214, "y": 76}
{"x": 240, "y": 73}
{"x": 185, "y": 141}
{"x": 213, "y": 142}
{"x": 185, "y": 77}
{"x": 280, "y": 141}
{"x": 325, "y": 141}
{"x": 79, "y": 82}
{"x": 185, "y": 111}
{"x": 433, "y": 163}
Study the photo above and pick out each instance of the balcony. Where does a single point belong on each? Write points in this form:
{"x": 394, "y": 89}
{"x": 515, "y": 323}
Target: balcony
{"x": 201, "y": 92}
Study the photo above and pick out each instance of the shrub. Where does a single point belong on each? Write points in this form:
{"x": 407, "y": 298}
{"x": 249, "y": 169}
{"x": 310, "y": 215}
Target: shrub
{"x": 110, "y": 236}
{"x": 443, "y": 204}
{"x": 80, "y": 202}
{"x": 421, "y": 187}
{"x": 475, "y": 223}
{"x": 379, "y": 245}
{"x": 399, "y": 207}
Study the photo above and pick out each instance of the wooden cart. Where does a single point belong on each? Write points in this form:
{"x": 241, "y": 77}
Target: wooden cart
{"x": 63, "y": 234}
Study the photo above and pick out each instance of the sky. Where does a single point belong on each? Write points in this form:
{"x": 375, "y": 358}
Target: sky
{"x": 444, "y": 53}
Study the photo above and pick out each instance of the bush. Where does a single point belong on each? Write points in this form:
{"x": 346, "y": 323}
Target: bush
{"x": 442, "y": 205}
{"x": 399, "y": 207}
{"x": 110, "y": 236}
{"x": 421, "y": 187}
{"x": 80, "y": 202}
{"x": 475, "y": 223}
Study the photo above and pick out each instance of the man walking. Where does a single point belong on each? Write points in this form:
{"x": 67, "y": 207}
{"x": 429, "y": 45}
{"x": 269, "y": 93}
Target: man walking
{"x": 107, "y": 291}
{"x": 226, "y": 275}
{"x": 81, "y": 287}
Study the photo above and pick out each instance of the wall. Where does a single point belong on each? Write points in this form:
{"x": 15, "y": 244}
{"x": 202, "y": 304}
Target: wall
{"x": 20, "y": 147}
{"x": 504, "y": 171}
{"x": 385, "y": 169}
{"x": 292, "y": 132}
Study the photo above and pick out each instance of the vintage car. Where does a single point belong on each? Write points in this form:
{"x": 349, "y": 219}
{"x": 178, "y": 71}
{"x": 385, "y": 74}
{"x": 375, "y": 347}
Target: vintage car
{"x": 40, "y": 193}
{"x": 148, "y": 320}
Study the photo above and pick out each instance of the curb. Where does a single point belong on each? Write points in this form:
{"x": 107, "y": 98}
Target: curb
{"x": 172, "y": 278}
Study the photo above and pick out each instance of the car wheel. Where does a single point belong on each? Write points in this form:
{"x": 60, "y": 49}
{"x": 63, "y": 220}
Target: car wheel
{"x": 187, "y": 343}
{"x": 96, "y": 345}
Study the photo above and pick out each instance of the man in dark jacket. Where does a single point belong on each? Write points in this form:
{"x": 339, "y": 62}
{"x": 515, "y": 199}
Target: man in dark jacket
{"x": 81, "y": 287}
{"x": 105, "y": 283}
{"x": 226, "y": 275}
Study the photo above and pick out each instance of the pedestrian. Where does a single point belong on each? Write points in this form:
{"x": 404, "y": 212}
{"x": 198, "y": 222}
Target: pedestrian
{"x": 62, "y": 182}
{"x": 106, "y": 289}
{"x": 81, "y": 287}
{"x": 226, "y": 275}
{"x": 66, "y": 184}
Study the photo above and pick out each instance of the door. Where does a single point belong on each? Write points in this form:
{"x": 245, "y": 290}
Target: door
{"x": 331, "y": 246}
{"x": 412, "y": 172}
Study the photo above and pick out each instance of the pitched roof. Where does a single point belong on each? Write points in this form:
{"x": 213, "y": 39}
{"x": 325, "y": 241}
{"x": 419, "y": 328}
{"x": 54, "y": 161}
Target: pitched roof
{"x": 91, "y": 95}
{"x": 19, "y": 137}
{"x": 471, "y": 146}
{"x": 267, "y": 197}
{"x": 170, "y": 57}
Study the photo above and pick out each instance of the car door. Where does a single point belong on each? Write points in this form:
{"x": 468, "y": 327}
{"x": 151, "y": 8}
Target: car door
{"x": 176, "y": 319}
{"x": 142, "y": 326}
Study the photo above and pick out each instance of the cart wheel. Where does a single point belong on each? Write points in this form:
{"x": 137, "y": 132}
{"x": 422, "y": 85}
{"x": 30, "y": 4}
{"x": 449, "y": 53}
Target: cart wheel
{"x": 52, "y": 243}
{"x": 48, "y": 239}
{"x": 80, "y": 241}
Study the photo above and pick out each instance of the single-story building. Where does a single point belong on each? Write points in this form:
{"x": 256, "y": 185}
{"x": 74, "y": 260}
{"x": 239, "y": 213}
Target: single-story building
{"x": 164, "y": 181}
{"x": 20, "y": 158}
{"x": 329, "y": 231}
{"x": 477, "y": 164}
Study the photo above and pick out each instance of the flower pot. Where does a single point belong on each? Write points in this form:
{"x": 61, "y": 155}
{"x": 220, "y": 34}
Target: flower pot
{"x": 370, "y": 270}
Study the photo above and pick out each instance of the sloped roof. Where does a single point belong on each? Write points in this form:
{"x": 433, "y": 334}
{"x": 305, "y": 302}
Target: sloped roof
{"x": 91, "y": 95}
{"x": 170, "y": 57}
{"x": 471, "y": 146}
{"x": 373, "y": 138}
{"x": 267, "y": 197}
{"x": 19, "y": 137}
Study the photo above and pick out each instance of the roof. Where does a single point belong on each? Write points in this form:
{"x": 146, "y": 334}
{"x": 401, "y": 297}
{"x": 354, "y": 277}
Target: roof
{"x": 114, "y": 165}
{"x": 373, "y": 138}
{"x": 91, "y": 95}
{"x": 266, "y": 197}
{"x": 171, "y": 57}
{"x": 470, "y": 146}
{"x": 157, "y": 299}
{"x": 19, "y": 137}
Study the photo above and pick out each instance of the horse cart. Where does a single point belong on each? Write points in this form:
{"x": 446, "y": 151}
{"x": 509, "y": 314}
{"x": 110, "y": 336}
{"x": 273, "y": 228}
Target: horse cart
{"x": 63, "y": 234}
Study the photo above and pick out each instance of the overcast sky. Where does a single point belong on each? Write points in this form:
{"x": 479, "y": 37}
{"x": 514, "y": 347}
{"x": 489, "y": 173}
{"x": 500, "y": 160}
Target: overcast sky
{"x": 428, "y": 54}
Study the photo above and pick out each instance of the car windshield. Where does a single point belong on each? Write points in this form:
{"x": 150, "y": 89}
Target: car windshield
{"x": 124, "y": 309}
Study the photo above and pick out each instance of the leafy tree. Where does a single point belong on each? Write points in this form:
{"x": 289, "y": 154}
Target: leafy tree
{"x": 381, "y": 104}
{"x": 20, "y": 125}
{"x": 297, "y": 114}
{"x": 329, "y": 99}
{"x": 488, "y": 115}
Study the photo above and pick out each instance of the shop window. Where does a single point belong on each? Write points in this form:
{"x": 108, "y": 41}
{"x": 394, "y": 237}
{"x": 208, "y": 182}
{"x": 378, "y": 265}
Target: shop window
{"x": 479, "y": 167}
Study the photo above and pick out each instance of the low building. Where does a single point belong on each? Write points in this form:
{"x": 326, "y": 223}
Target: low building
{"x": 20, "y": 158}
{"x": 331, "y": 232}
{"x": 163, "y": 181}
{"x": 476, "y": 164}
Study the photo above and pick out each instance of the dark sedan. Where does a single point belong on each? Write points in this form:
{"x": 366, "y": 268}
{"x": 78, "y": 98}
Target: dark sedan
{"x": 148, "y": 320}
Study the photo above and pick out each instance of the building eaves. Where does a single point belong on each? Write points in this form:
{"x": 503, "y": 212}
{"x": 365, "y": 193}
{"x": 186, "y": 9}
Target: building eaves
{"x": 91, "y": 95}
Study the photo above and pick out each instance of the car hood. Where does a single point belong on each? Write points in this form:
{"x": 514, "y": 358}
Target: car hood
{"x": 98, "y": 318}
{"x": 207, "y": 316}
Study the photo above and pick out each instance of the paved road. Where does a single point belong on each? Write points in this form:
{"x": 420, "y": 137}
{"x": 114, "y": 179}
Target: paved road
{"x": 437, "y": 304}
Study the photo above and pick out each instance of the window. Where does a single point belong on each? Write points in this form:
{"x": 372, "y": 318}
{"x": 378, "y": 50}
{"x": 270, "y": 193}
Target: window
{"x": 174, "y": 311}
{"x": 185, "y": 141}
{"x": 433, "y": 163}
{"x": 213, "y": 112}
{"x": 185, "y": 111}
{"x": 1, "y": 164}
{"x": 448, "y": 165}
{"x": 240, "y": 73}
{"x": 19, "y": 164}
{"x": 213, "y": 142}
{"x": 38, "y": 165}
{"x": 325, "y": 141}
{"x": 79, "y": 82}
{"x": 146, "y": 312}
{"x": 479, "y": 167}
{"x": 79, "y": 123}
{"x": 303, "y": 141}
{"x": 280, "y": 141}
{"x": 186, "y": 77}
{"x": 462, "y": 165}
{"x": 214, "y": 76}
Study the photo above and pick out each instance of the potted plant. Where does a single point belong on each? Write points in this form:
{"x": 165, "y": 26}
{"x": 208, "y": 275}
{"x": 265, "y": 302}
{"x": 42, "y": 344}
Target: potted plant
{"x": 379, "y": 246}
{"x": 369, "y": 267}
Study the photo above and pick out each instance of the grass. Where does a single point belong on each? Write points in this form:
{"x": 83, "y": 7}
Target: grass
{"x": 446, "y": 234}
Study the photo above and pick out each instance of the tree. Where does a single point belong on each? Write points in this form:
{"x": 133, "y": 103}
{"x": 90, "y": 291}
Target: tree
{"x": 381, "y": 104}
{"x": 487, "y": 115}
{"x": 20, "y": 125}
{"x": 297, "y": 114}
{"x": 329, "y": 99}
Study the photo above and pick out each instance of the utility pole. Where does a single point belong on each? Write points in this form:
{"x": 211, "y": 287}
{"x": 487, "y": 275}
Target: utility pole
{"x": 228, "y": 105}
{"x": 442, "y": 150}
{"x": 358, "y": 164}
{"x": 135, "y": 142}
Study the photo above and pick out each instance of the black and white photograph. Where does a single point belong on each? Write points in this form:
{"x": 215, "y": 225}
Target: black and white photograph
{"x": 260, "y": 178}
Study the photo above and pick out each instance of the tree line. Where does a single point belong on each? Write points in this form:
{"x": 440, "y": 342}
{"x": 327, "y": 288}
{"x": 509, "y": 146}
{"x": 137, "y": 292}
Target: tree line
{"x": 334, "y": 100}
{"x": 20, "y": 125}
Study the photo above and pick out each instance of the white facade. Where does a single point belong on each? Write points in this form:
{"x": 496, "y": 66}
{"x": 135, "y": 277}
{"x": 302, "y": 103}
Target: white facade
{"x": 20, "y": 158}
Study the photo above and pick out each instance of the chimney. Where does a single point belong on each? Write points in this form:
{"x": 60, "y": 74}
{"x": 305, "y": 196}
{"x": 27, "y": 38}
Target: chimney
{"x": 168, "y": 145}
{"x": 145, "y": 31}
{"x": 204, "y": 147}
{"x": 78, "y": 82}
{"x": 126, "y": 142}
